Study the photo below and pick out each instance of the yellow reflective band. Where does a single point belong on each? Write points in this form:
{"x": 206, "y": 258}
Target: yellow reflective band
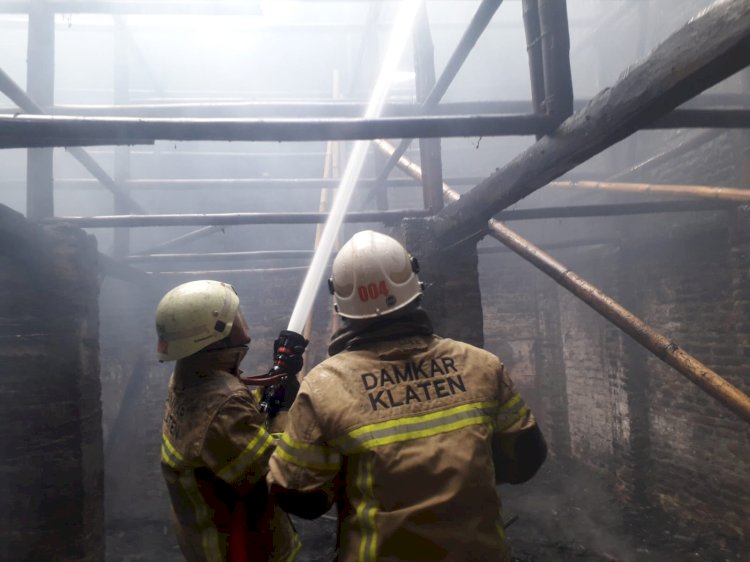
{"x": 298, "y": 461}
{"x": 511, "y": 402}
{"x": 444, "y": 428}
{"x": 308, "y": 455}
{"x": 172, "y": 456}
{"x": 501, "y": 530}
{"x": 366, "y": 511}
{"x": 416, "y": 427}
{"x": 209, "y": 533}
{"x": 174, "y": 452}
{"x": 252, "y": 452}
{"x": 510, "y": 418}
{"x": 295, "y": 549}
{"x": 167, "y": 458}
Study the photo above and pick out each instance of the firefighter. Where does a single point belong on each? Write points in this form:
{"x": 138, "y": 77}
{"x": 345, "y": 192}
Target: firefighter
{"x": 215, "y": 444}
{"x": 407, "y": 433}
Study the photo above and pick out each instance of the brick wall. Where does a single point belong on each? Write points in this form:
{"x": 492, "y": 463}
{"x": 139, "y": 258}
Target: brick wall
{"x": 604, "y": 401}
{"x": 51, "y": 492}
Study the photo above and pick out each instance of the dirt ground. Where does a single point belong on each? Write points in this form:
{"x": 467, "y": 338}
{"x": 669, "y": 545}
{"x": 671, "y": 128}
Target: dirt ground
{"x": 561, "y": 516}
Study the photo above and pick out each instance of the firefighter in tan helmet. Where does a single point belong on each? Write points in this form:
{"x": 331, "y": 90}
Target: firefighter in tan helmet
{"x": 406, "y": 432}
{"x": 215, "y": 445}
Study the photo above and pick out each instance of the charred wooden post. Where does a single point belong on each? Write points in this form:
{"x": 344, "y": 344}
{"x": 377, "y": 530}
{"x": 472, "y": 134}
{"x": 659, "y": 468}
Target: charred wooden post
{"x": 18, "y": 96}
{"x": 477, "y": 25}
{"x": 40, "y": 83}
{"x": 429, "y": 149}
{"x": 661, "y": 346}
{"x": 709, "y": 48}
{"x": 534, "y": 51}
{"x": 379, "y": 190}
{"x": 555, "y": 40}
{"x": 702, "y": 191}
{"x": 121, "y": 236}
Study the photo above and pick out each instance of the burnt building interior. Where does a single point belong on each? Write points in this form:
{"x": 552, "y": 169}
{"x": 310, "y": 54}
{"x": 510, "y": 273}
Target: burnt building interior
{"x": 150, "y": 143}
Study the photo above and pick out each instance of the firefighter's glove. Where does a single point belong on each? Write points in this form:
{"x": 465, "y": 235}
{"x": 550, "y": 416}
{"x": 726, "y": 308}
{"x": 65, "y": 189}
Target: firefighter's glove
{"x": 287, "y": 352}
{"x": 282, "y": 396}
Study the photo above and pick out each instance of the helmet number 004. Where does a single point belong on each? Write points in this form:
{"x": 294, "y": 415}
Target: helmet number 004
{"x": 372, "y": 291}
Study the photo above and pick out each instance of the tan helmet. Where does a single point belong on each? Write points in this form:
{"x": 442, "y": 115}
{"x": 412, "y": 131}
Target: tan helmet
{"x": 373, "y": 275}
{"x": 194, "y": 315}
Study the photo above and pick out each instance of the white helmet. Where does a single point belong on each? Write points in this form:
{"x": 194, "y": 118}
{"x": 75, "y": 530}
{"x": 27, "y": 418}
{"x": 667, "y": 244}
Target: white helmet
{"x": 194, "y": 315}
{"x": 373, "y": 275}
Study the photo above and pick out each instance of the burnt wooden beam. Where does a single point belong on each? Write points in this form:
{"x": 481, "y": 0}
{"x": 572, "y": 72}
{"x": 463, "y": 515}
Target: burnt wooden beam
{"x": 337, "y": 108}
{"x": 36, "y": 130}
{"x": 708, "y": 49}
{"x": 24, "y": 101}
{"x": 40, "y": 83}
{"x": 121, "y": 87}
{"x": 476, "y": 27}
{"x": 216, "y": 219}
{"x": 555, "y": 42}
{"x": 429, "y": 149}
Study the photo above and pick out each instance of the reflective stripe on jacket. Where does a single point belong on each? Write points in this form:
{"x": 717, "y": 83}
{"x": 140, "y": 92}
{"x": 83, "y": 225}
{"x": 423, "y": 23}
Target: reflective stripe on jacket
{"x": 214, "y": 455}
{"x": 400, "y": 434}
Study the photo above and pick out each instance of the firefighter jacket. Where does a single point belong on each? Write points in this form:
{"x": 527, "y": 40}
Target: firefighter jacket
{"x": 403, "y": 435}
{"x": 214, "y": 458}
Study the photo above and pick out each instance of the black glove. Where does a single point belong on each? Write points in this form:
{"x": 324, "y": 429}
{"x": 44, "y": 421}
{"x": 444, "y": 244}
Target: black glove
{"x": 287, "y": 352}
{"x": 281, "y": 396}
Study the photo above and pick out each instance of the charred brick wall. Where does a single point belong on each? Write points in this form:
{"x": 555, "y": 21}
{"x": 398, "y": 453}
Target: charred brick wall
{"x": 608, "y": 404}
{"x": 51, "y": 495}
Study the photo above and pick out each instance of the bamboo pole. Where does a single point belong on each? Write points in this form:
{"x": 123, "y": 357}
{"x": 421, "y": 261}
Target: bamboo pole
{"x": 662, "y": 347}
{"x": 702, "y": 191}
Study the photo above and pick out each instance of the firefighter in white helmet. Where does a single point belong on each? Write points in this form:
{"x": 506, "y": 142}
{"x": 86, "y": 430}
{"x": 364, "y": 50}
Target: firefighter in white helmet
{"x": 406, "y": 432}
{"x": 215, "y": 444}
